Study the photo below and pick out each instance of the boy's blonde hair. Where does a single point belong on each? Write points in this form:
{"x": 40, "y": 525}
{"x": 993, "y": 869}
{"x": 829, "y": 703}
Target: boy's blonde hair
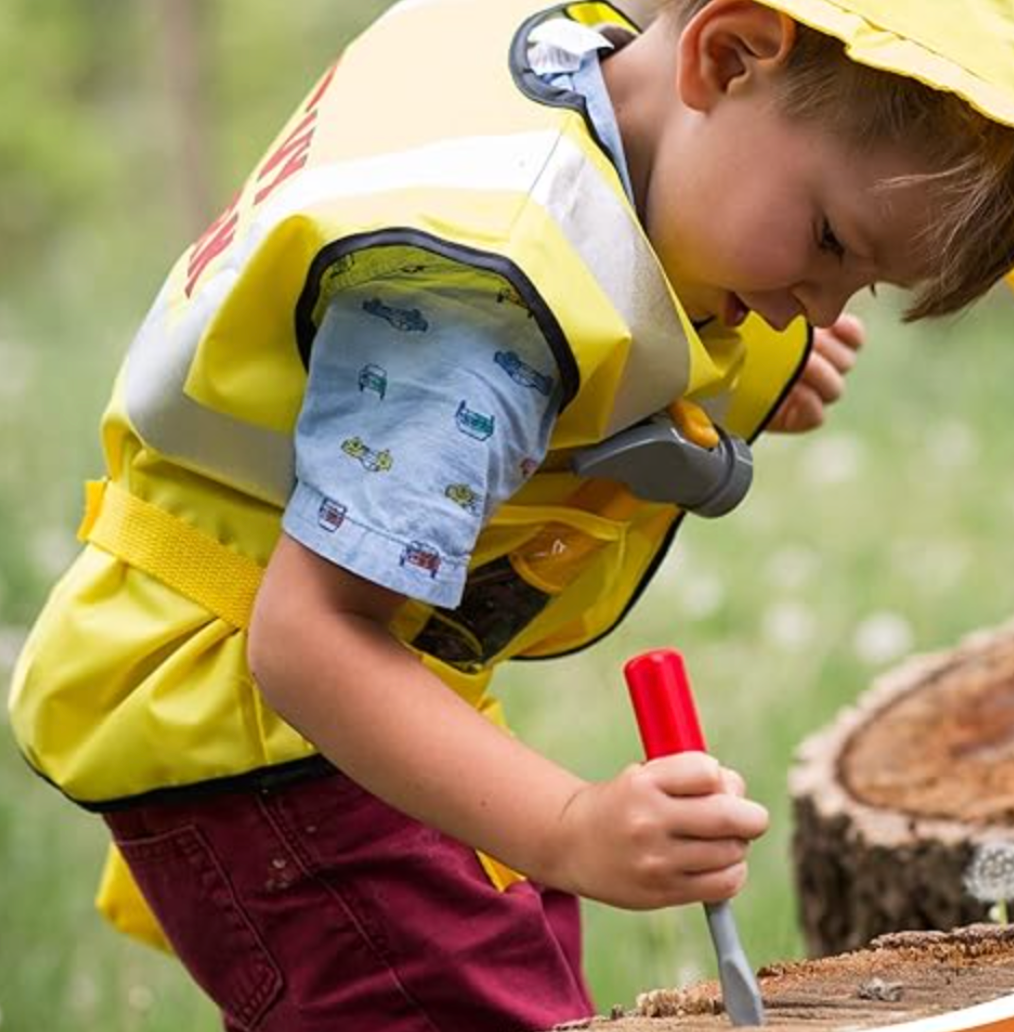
{"x": 971, "y": 158}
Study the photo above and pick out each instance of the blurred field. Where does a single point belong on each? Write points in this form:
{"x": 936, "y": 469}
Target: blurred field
{"x": 886, "y": 532}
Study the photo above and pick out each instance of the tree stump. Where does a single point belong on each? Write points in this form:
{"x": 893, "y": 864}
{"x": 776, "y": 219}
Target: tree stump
{"x": 892, "y": 800}
{"x": 898, "y": 978}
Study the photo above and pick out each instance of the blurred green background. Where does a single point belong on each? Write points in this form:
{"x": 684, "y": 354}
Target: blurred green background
{"x": 123, "y": 129}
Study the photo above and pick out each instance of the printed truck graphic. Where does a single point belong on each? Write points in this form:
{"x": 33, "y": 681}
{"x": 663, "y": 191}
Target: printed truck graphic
{"x": 474, "y": 424}
{"x": 331, "y": 515}
{"x": 422, "y": 557}
{"x": 408, "y": 320}
{"x": 373, "y": 378}
{"x": 522, "y": 373}
{"x": 372, "y": 461}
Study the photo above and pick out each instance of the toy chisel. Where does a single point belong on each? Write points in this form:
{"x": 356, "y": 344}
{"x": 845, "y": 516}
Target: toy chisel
{"x": 667, "y": 719}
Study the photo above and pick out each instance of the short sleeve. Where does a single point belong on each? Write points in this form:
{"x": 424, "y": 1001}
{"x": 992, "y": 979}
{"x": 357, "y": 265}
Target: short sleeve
{"x": 428, "y": 404}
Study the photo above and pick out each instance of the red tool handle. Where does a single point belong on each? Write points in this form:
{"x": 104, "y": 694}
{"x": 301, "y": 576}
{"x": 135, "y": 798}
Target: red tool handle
{"x": 664, "y": 705}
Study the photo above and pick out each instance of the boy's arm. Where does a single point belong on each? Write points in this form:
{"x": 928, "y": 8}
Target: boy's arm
{"x": 662, "y": 833}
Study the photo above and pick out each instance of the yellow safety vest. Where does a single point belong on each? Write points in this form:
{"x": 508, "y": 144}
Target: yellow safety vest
{"x": 413, "y": 156}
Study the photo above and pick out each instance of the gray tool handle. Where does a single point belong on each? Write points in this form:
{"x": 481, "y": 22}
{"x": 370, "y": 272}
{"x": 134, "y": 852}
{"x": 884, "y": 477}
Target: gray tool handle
{"x": 740, "y": 992}
{"x": 658, "y": 463}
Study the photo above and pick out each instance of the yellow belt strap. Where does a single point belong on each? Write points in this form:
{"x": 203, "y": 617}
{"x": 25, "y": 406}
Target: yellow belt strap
{"x": 171, "y": 550}
{"x": 199, "y": 567}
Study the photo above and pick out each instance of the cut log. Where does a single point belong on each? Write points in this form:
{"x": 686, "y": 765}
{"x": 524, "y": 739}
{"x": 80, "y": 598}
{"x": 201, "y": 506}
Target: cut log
{"x": 892, "y": 801}
{"x": 899, "y": 977}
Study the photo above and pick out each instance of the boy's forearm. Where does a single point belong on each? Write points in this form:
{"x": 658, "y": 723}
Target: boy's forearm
{"x": 376, "y": 712}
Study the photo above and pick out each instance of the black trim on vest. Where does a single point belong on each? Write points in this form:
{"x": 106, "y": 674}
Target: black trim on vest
{"x": 306, "y": 328}
{"x": 535, "y": 88}
{"x": 663, "y": 549}
{"x": 264, "y": 779}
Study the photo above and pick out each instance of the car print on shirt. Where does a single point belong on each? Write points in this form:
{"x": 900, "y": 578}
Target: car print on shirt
{"x": 373, "y": 378}
{"x": 473, "y": 423}
{"x": 422, "y": 557}
{"x": 372, "y": 461}
{"x": 408, "y": 320}
{"x": 463, "y": 495}
{"x": 522, "y": 373}
{"x": 331, "y": 515}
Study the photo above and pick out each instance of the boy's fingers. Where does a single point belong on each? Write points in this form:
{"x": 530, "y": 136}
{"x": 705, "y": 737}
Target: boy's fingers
{"x": 698, "y": 856}
{"x": 718, "y": 817}
{"x": 839, "y": 354}
{"x": 850, "y": 329}
{"x": 804, "y": 410}
{"x": 686, "y": 774}
{"x": 824, "y": 377}
{"x": 831, "y": 351}
{"x": 715, "y": 886}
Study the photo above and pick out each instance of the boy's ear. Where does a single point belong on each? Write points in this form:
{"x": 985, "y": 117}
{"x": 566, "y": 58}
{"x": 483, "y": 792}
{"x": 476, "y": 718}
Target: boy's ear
{"x": 726, "y": 45}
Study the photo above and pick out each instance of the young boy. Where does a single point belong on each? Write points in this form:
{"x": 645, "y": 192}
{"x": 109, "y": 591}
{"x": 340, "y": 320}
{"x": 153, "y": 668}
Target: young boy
{"x": 493, "y": 235}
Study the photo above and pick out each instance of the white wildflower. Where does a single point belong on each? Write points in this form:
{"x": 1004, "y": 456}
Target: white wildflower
{"x": 952, "y": 445}
{"x": 793, "y": 567}
{"x": 701, "y": 596}
{"x": 789, "y": 626}
{"x": 140, "y": 998}
{"x": 84, "y": 992}
{"x": 952, "y": 559}
{"x": 882, "y": 637}
{"x": 989, "y": 877}
{"x": 834, "y": 459}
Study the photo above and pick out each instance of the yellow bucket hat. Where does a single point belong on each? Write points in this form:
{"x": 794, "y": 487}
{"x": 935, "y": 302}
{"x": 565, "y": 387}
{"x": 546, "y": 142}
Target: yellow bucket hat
{"x": 963, "y": 46}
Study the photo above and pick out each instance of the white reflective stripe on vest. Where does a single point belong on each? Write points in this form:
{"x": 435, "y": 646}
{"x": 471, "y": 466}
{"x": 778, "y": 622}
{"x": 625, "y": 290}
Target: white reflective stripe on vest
{"x": 601, "y": 229}
{"x": 257, "y": 460}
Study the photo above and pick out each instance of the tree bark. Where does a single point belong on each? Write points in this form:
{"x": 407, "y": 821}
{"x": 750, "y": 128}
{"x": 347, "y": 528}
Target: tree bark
{"x": 183, "y": 66}
{"x": 893, "y": 799}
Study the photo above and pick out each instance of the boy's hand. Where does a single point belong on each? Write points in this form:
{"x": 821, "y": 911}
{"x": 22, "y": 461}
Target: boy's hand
{"x": 823, "y": 379}
{"x": 673, "y": 830}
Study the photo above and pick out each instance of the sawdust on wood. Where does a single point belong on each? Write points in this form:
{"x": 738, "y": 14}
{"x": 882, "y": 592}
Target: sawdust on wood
{"x": 898, "y": 977}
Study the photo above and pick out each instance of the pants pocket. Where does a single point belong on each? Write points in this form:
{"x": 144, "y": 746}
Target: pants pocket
{"x": 187, "y": 889}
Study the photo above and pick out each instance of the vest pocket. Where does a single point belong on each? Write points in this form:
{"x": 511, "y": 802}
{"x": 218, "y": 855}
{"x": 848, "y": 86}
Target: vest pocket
{"x": 189, "y": 893}
{"x": 558, "y": 555}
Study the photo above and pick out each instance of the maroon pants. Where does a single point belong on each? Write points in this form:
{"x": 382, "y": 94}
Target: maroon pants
{"x": 317, "y": 908}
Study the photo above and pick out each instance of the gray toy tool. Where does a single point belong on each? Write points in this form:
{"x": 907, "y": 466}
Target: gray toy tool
{"x": 740, "y": 992}
{"x": 659, "y": 462}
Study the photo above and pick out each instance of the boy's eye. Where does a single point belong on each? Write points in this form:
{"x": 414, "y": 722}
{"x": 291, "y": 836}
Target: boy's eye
{"x": 829, "y": 242}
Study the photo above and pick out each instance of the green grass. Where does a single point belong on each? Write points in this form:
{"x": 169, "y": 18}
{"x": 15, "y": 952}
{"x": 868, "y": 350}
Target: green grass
{"x": 894, "y": 516}
{"x": 886, "y": 532}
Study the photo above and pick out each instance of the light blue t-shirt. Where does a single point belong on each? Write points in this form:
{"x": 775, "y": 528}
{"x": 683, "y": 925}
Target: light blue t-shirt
{"x": 428, "y": 404}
